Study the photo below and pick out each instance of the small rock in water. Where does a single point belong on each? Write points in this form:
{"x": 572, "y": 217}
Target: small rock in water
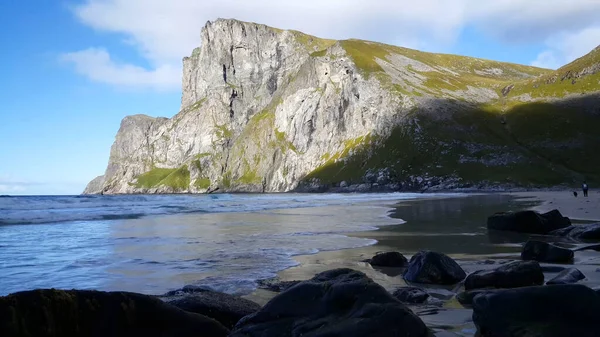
{"x": 545, "y": 252}
{"x": 340, "y": 302}
{"x": 433, "y": 268}
{"x": 512, "y": 275}
{"x": 567, "y": 276}
{"x": 548, "y": 311}
{"x": 389, "y": 259}
{"x": 412, "y": 295}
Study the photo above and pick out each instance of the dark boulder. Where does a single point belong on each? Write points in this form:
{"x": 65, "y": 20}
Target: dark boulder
{"x": 528, "y": 222}
{"x": 579, "y": 232}
{"x": 275, "y": 285}
{"x": 511, "y": 275}
{"x": 548, "y": 311}
{"x": 433, "y": 268}
{"x": 340, "y": 302}
{"x": 552, "y": 269}
{"x": 389, "y": 259}
{"x": 567, "y": 276}
{"x": 411, "y": 295}
{"x": 546, "y": 252}
{"x": 49, "y": 313}
{"x": 226, "y": 309}
{"x": 466, "y": 297}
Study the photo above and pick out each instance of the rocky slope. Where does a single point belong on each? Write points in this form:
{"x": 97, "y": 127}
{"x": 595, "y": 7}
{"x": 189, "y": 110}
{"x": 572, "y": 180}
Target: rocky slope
{"x": 267, "y": 110}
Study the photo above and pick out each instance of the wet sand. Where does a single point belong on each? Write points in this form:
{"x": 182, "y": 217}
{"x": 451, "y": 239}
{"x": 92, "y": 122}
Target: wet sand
{"x": 456, "y": 227}
{"x": 580, "y": 207}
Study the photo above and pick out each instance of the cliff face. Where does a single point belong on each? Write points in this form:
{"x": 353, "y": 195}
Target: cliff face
{"x": 267, "y": 110}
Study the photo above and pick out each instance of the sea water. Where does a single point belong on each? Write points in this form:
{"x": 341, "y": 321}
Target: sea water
{"x": 156, "y": 243}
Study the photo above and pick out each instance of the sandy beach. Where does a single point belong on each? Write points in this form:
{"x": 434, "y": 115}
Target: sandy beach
{"x": 577, "y": 208}
{"x": 457, "y": 227}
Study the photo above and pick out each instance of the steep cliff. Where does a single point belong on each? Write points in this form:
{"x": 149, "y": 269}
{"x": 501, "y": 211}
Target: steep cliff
{"x": 268, "y": 110}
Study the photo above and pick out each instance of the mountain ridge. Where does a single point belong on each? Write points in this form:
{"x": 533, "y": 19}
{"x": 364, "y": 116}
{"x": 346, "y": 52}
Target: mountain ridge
{"x": 270, "y": 110}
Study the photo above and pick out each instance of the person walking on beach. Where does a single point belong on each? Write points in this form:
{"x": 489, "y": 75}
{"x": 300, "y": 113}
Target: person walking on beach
{"x": 584, "y": 186}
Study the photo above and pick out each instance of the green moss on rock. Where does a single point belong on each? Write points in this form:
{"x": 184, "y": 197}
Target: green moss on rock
{"x": 319, "y": 53}
{"x": 153, "y": 177}
{"x": 202, "y": 183}
{"x": 178, "y": 179}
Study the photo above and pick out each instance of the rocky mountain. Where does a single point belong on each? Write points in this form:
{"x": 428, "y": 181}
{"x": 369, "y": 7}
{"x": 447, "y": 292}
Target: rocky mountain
{"x": 267, "y": 110}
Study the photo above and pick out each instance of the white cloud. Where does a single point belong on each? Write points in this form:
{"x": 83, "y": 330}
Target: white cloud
{"x": 11, "y": 188}
{"x": 96, "y": 64}
{"x": 532, "y": 21}
{"x": 566, "y": 47}
{"x": 165, "y": 31}
{"x": 11, "y": 185}
{"x": 547, "y": 59}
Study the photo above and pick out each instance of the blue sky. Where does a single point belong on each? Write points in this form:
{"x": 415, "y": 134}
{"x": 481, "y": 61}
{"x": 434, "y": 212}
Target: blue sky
{"x": 71, "y": 70}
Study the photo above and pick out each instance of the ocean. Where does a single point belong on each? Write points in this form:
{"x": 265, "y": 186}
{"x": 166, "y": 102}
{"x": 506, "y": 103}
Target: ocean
{"x": 155, "y": 243}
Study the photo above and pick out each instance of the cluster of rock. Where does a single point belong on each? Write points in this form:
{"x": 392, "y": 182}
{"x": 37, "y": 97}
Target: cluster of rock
{"x": 510, "y": 300}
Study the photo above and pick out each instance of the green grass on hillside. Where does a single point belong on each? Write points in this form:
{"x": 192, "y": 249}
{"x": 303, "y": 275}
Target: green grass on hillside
{"x": 565, "y": 80}
{"x": 554, "y": 145}
{"x": 446, "y": 72}
{"x": 178, "y": 179}
{"x": 202, "y": 183}
{"x": 312, "y": 43}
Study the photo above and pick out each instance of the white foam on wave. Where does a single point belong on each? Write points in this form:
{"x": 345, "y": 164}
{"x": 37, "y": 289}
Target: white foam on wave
{"x": 226, "y": 252}
{"x": 52, "y": 209}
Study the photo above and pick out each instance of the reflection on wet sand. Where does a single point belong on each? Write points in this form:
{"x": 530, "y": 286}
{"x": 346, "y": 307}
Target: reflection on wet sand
{"x": 455, "y": 226}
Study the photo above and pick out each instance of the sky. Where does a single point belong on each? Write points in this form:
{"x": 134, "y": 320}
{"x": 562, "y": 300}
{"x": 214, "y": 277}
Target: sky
{"x": 71, "y": 70}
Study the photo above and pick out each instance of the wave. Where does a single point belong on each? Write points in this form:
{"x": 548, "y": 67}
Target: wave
{"x": 52, "y": 209}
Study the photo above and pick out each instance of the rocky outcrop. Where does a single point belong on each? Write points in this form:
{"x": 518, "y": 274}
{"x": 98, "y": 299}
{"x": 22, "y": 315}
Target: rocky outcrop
{"x": 546, "y": 252}
{"x": 81, "y": 313}
{"x": 528, "y": 222}
{"x": 549, "y": 311}
{"x": 511, "y": 275}
{"x": 340, "y": 302}
{"x": 266, "y": 110}
{"x": 95, "y": 186}
{"x": 224, "y": 308}
{"x": 433, "y": 268}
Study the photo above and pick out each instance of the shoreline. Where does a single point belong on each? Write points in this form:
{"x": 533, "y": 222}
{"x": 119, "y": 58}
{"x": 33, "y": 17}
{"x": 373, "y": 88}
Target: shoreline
{"x": 576, "y": 208}
{"x": 309, "y": 265}
{"x": 450, "y": 317}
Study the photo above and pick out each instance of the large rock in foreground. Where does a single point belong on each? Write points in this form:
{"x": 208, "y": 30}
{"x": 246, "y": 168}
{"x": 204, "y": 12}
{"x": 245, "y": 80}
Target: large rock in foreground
{"x": 340, "y": 302}
{"x": 528, "y": 222}
{"x": 548, "y": 311}
{"x": 58, "y": 313}
{"x": 433, "y": 268}
{"x": 226, "y": 309}
{"x": 546, "y": 252}
{"x": 579, "y": 232}
{"x": 512, "y": 275}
